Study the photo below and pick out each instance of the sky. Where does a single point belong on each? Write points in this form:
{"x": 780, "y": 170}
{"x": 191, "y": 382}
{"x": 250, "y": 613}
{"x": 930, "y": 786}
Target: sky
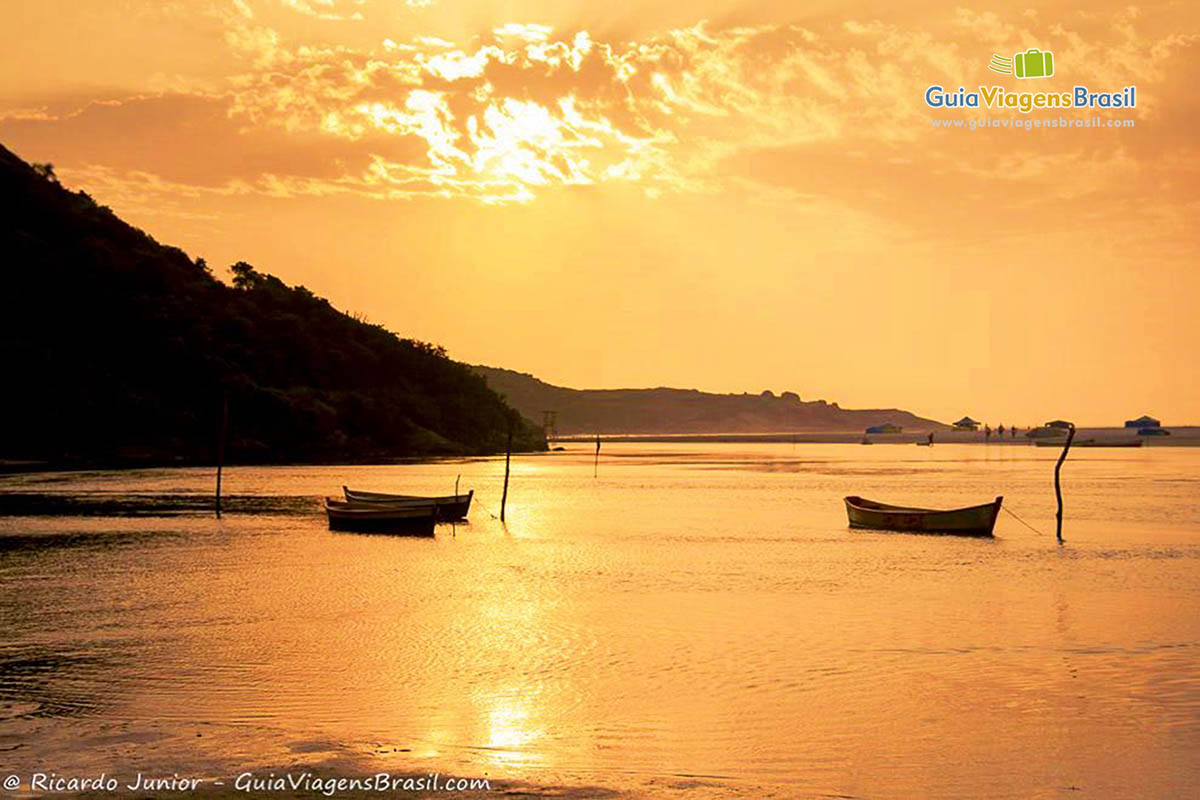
{"x": 727, "y": 196}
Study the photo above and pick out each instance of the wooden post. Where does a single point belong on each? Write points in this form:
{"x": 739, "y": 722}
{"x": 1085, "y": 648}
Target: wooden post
{"x": 596, "y": 465}
{"x": 221, "y": 445}
{"x": 507, "y": 459}
{"x": 1057, "y": 484}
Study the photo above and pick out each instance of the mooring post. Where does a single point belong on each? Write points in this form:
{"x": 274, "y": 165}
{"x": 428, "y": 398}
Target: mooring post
{"x": 221, "y": 445}
{"x": 1057, "y": 484}
{"x": 596, "y": 465}
{"x": 507, "y": 459}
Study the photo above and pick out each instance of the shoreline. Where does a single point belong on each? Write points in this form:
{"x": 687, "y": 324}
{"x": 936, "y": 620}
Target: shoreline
{"x": 16, "y": 466}
{"x": 1181, "y": 436}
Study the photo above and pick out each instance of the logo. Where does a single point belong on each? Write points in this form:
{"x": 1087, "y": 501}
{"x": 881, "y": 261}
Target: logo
{"x": 1033, "y": 63}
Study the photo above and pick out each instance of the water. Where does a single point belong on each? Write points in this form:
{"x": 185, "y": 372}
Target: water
{"x": 696, "y": 621}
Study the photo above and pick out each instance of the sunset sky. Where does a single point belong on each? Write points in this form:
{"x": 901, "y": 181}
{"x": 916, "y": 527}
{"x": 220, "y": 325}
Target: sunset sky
{"x": 715, "y": 195}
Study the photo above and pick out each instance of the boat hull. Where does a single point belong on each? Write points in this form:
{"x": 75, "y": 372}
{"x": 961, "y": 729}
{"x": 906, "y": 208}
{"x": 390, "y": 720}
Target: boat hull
{"x": 451, "y": 507}
{"x": 970, "y": 521}
{"x": 417, "y": 521}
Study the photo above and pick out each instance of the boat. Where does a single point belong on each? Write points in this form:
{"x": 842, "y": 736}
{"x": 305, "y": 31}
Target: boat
{"x": 1094, "y": 443}
{"x": 1046, "y": 433}
{"x": 411, "y": 520}
{"x": 969, "y": 521}
{"x": 450, "y": 507}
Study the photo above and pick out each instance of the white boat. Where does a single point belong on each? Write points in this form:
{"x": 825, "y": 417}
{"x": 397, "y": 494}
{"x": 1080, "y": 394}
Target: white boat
{"x": 450, "y": 507}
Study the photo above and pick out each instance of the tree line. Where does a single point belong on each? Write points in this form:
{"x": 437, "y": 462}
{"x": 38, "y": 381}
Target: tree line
{"x": 120, "y": 349}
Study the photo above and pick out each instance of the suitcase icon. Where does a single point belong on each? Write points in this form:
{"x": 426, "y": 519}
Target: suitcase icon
{"x": 1033, "y": 63}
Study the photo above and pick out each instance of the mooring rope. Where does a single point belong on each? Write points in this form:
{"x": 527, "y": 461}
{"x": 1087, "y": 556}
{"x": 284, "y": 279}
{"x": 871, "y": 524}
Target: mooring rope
{"x": 1023, "y": 522}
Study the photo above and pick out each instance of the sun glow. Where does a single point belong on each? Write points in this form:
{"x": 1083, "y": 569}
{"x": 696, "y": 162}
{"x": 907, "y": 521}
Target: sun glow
{"x": 767, "y": 159}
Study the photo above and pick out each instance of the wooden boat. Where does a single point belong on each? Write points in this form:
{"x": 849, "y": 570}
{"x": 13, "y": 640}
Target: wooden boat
{"x": 410, "y": 520}
{"x": 450, "y": 507}
{"x": 969, "y": 521}
{"x": 1093, "y": 443}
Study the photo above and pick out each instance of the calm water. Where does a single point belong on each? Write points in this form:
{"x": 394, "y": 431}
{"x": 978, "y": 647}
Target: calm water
{"x": 697, "y": 621}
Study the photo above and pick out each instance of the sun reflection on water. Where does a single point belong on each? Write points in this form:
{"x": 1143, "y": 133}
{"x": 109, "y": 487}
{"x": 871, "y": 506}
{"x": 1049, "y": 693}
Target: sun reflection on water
{"x": 512, "y": 726}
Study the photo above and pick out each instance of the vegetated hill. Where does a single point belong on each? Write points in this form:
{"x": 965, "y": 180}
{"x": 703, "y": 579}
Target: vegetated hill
{"x": 682, "y": 411}
{"x": 118, "y": 349}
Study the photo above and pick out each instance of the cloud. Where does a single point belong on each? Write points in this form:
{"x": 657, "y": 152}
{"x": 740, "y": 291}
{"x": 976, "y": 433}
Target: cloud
{"x": 40, "y": 114}
{"x": 529, "y": 106}
{"x": 501, "y": 117}
{"x": 325, "y": 9}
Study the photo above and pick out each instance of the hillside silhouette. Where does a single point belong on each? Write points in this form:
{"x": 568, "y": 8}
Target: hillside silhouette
{"x": 686, "y": 411}
{"x": 121, "y": 350}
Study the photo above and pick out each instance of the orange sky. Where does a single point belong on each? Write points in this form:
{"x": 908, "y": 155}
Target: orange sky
{"x": 717, "y": 195}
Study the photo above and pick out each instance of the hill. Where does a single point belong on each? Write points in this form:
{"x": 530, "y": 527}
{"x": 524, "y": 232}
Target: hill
{"x": 682, "y": 411}
{"x": 121, "y": 350}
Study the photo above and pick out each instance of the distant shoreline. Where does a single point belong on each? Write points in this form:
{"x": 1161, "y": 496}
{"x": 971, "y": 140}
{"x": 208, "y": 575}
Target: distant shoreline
{"x": 14, "y": 466}
{"x": 1183, "y": 436}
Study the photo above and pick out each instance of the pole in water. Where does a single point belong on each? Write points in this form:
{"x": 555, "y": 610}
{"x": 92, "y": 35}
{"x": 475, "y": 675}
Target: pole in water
{"x": 507, "y": 459}
{"x": 221, "y": 445}
{"x": 596, "y": 464}
{"x": 1057, "y": 484}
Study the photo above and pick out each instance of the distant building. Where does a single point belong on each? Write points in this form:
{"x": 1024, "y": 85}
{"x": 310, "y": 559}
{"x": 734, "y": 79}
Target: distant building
{"x": 1144, "y": 421}
{"x": 967, "y": 424}
{"x": 887, "y": 427}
